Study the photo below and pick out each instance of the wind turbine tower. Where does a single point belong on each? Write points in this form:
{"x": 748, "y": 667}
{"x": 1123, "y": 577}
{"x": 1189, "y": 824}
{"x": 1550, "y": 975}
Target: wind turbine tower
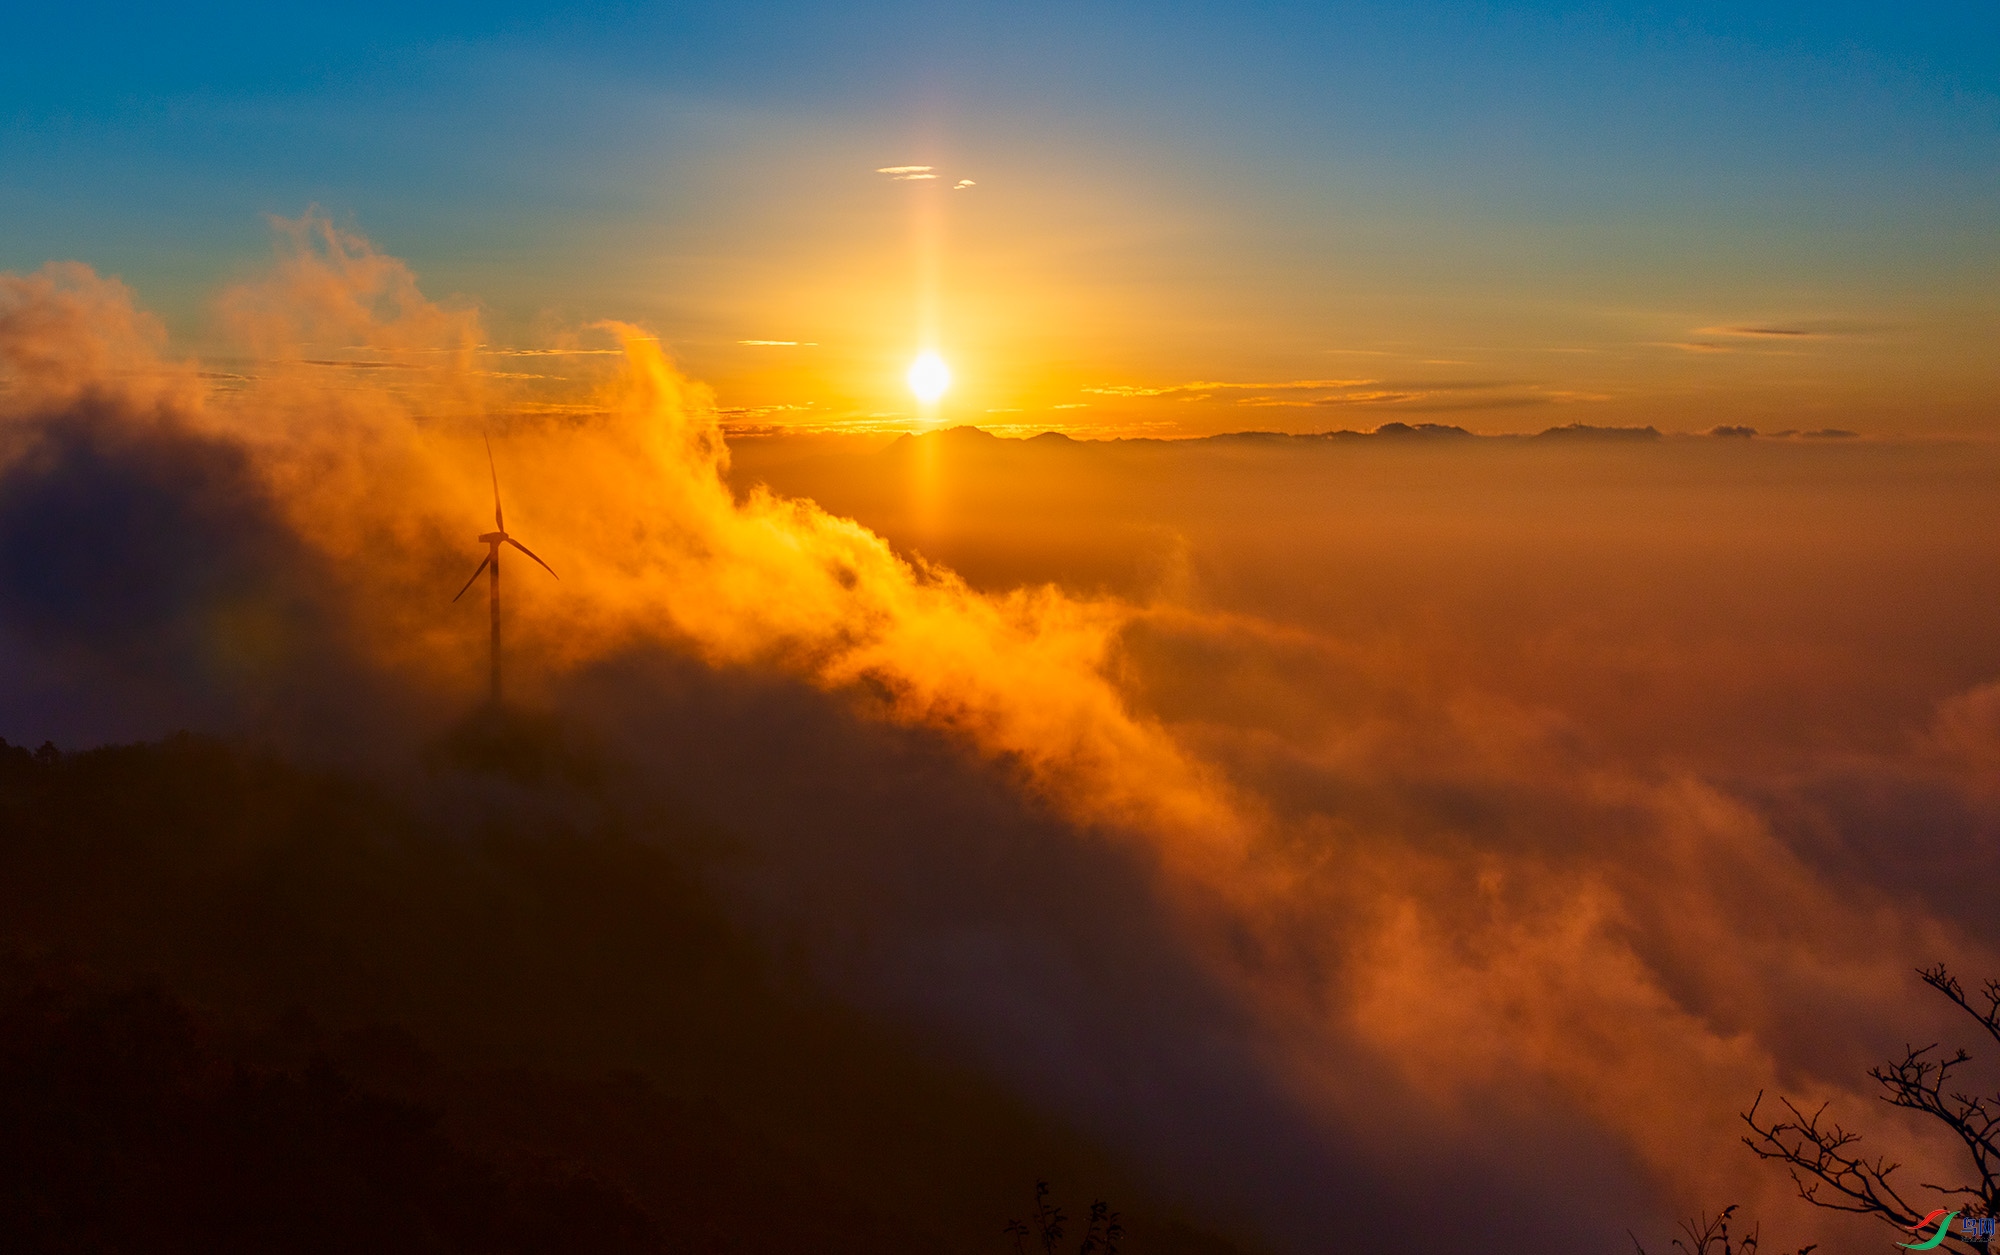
{"x": 493, "y": 540}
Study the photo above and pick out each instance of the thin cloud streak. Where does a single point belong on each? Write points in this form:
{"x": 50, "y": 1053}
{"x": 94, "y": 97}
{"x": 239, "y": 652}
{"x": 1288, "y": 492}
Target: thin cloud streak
{"x": 1427, "y": 396}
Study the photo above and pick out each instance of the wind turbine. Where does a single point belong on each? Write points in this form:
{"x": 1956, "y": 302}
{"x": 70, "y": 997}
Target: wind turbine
{"x": 493, "y": 540}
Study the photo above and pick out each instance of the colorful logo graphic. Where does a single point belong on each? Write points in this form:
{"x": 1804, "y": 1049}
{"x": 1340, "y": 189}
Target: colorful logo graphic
{"x": 1944, "y": 1227}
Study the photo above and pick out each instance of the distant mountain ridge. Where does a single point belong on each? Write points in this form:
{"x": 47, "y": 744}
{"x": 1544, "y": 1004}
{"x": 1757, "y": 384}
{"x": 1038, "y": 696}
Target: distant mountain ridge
{"x": 1393, "y": 433}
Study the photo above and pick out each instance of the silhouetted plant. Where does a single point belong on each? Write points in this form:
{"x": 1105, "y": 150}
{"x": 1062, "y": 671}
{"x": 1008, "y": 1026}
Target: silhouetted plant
{"x": 1045, "y": 1224}
{"x": 1709, "y": 1235}
{"x": 1823, "y": 1158}
{"x": 1103, "y": 1231}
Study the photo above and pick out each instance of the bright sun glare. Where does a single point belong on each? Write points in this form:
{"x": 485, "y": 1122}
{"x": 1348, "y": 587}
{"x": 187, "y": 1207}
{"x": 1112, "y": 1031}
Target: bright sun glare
{"x": 929, "y": 377}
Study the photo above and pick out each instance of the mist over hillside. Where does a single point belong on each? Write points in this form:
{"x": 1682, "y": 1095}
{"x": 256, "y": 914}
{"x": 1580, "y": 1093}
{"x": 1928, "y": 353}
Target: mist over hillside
{"x": 1268, "y": 836}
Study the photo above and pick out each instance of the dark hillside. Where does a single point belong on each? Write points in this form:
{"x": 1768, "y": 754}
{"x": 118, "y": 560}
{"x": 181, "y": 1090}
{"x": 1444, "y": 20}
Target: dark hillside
{"x": 248, "y": 1006}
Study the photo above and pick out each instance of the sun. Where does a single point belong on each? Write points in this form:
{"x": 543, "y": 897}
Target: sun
{"x": 929, "y": 377}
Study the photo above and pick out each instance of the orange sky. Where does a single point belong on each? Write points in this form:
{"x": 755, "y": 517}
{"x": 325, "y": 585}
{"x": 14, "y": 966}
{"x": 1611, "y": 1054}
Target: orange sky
{"x": 1100, "y": 301}
{"x": 1117, "y": 314}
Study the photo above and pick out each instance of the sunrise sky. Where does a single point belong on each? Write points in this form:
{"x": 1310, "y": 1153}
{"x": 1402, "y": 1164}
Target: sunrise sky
{"x": 1211, "y": 218}
{"x": 1292, "y": 840}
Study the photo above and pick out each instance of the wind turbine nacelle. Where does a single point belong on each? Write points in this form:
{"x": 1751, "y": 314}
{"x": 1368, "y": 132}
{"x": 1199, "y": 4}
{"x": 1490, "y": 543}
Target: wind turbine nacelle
{"x": 492, "y": 538}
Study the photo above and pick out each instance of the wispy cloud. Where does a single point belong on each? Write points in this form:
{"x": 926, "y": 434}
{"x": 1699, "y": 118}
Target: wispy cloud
{"x": 1424, "y": 395}
{"x": 347, "y": 365}
{"x": 913, "y": 174}
{"x": 1789, "y": 333}
{"x": 1289, "y": 385}
{"x": 1788, "y": 329}
{"x": 782, "y": 344}
{"x": 1129, "y": 390}
{"x": 1211, "y": 386}
{"x": 551, "y": 352}
{"x": 734, "y": 414}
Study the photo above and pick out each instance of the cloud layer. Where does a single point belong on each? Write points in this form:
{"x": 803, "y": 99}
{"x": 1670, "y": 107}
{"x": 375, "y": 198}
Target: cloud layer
{"x": 1320, "y": 924}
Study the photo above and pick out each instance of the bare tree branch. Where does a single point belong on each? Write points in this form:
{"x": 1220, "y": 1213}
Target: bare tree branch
{"x": 1828, "y": 1169}
{"x": 1947, "y": 984}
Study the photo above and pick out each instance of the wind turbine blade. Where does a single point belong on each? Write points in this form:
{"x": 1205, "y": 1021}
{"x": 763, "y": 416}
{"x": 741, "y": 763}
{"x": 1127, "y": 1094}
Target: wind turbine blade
{"x": 531, "y": 553}
{"x": 499, "y": 524}
{"x": 481, "y": 570}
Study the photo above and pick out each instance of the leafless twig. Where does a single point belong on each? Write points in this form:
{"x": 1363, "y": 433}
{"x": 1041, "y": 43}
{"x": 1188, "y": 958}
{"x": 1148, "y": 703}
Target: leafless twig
{"x": 1828, "y": 1168}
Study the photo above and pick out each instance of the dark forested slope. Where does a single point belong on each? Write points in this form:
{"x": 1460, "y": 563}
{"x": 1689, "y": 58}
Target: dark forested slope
{"x": 252, "y": 1007}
